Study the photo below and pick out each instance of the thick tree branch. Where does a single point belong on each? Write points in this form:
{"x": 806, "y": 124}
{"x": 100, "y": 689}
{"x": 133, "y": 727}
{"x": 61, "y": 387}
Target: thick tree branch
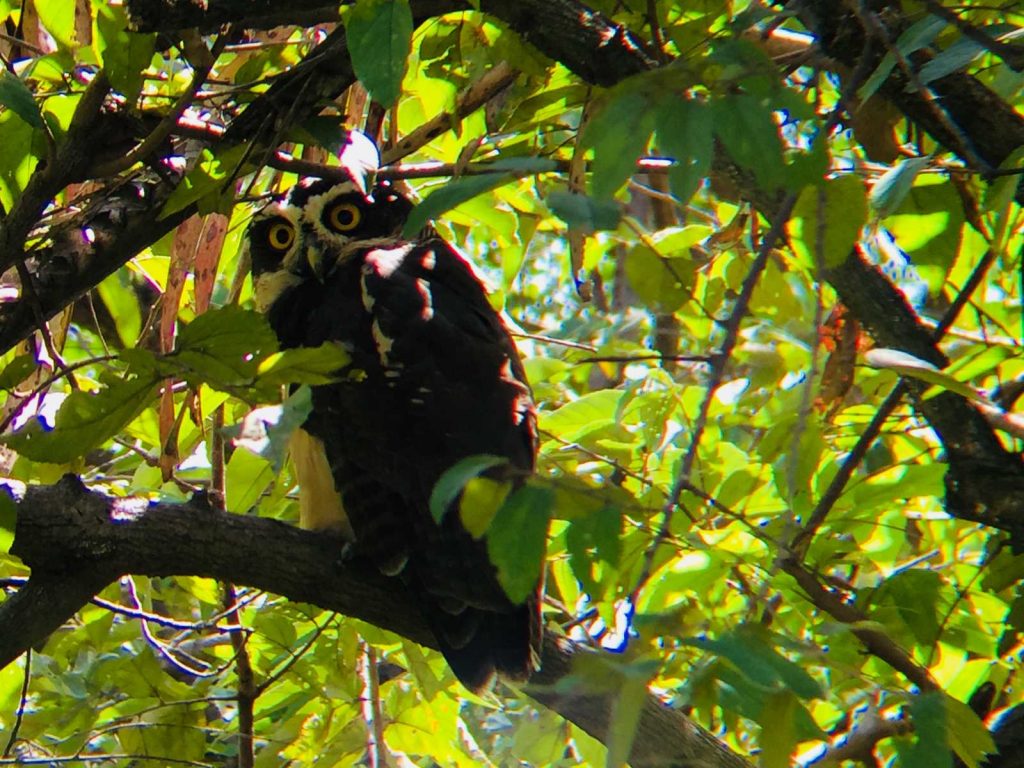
{"x": 85, "y": 250}
{"x": 991, "y": 128}
{"x": 77, "y": 542}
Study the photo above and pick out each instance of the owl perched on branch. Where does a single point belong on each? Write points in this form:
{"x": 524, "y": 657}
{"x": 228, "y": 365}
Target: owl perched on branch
{"x": 434, "y": 378}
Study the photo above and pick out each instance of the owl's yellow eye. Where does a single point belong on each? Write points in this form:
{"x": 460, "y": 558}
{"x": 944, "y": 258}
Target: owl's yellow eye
{"x": 344, "y": 217}
{"x": 281, "y": 236}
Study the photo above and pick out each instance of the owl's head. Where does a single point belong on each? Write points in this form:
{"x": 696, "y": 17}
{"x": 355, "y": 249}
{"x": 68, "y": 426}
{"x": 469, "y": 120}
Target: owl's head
{"x": 319, "y": 224}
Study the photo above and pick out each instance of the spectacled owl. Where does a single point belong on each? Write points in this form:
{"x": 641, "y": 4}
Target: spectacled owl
{"x": 434, "y": 378}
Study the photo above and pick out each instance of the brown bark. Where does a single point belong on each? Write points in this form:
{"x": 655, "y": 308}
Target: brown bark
{"x": 77, "y": 541}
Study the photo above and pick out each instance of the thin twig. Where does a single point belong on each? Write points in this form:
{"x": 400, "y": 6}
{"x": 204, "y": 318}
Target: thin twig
{"x": 166, "y": 126}
{"x": 874, "y": 27}
{"x": 60, "y": 374}
{"x": 878, "y": 644}
{"x": 640, "y": 358}
{"x": 293, "y": 657}
{"x": 475, "y": 96}
{"x": 247, "y": 690}
{"x": 372, "y": 712}
{"x": 718, "y": 363}
{"x": 838, "y": 484}
{"x": 1011, "y": 53}
{"x": 22, "y": 703}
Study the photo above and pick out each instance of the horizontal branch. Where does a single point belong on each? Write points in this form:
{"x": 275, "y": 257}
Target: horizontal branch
{"x": 77, "y": 542}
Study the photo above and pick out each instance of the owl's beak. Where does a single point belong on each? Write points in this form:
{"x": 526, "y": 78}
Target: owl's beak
{"x": 316, "y": 264}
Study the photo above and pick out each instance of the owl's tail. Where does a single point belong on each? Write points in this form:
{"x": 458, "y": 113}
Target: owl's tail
{"x": 481, "y": 645}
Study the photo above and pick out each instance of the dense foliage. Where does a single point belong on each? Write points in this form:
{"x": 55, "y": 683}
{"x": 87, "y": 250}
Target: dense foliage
{"x": 766, "y": 265}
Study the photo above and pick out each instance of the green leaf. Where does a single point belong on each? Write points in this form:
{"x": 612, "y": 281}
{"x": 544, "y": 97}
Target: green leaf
{"x": 58, "y": 17}
{"x": 664, "y": 278}
{"x": 684, "y": 129}
{"x": 747, "y": 128}
{"x": 928, "y": 225}
{"x": 915, "y": 594}
{"x": 270, "y": 440}
{"x": 16, "y": 371}
{"x": 247, "y": 476}
{"x": 584, "y": 213}
{"x": 907, "y": 365}
{"x": 915, "y": 38}
{"x": 889, "y": 191}
{"x": 8, "y": 519}
{"x": 966, "y": 733}
{"x": 582, "y": 416}
{"x": 619, "y": 133}
{"x": 595, "y": 545}
{"x": 481, "y": 499}
{"x": 461, "y": 190}
{"x": 625, "y": 717}
{"x": 379, "y": 34}
{"x": 451, "y": 483}
{"x": 18, "y": 159}
{"x": 119, "y": 297}
{"x": 748, "y": 648}
{"x": 17, "y": 97}
{"x": 223, "y": 347}
{"x": 930, "y": 748}
{"x": 124, "y": 55}
{"x": 778, "y": 720}
{"x": 999, "y": 198}
{"x": 827, "y": 220}
{"x": 958, "y": 55}
{"x": 305, "y": 365}
{"x": 449, "y": 196}
{"x": 208, "y": 179}
{"x": 85, "y": 421}
{"x": 517, "y": 539}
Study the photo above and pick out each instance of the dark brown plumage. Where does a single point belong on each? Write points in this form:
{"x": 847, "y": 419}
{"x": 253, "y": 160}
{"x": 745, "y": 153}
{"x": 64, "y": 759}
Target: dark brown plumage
{"x": 435, "y": 378}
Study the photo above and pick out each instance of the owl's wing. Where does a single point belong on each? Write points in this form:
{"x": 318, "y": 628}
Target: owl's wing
{"x": 435, "y": 378}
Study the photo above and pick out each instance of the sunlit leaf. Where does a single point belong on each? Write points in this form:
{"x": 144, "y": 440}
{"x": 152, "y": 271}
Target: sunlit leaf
{"x": 908, "y": 365}
{"x": 583, "y": 212}
{"x": 913, "y": 39}
{"x": 247, "y": 477}
{"x": 16, "y": 371}
{"x": 125, "y": 55}
{"x": 17, "y": 97}
{"x": 58, "y": 16}
{"x": 888, "y": 192}
{"x": 451, "y": 483}
{"x": 85, "y": 421}
{"x": 459, "y": 191}
{"x": 305, "y": 365}
{"x": 827, "y": 220}
{"x": 8, "y": 520}
{"x": 517, "y": 539}
{"x": 481, "y": 499}
{"x": 379, "y": 34}
{"x": 619, "y": 133}
{"x": 747, "y": 128}
{"x": 208, "y": 179}
{"x": 685, "y": 134}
